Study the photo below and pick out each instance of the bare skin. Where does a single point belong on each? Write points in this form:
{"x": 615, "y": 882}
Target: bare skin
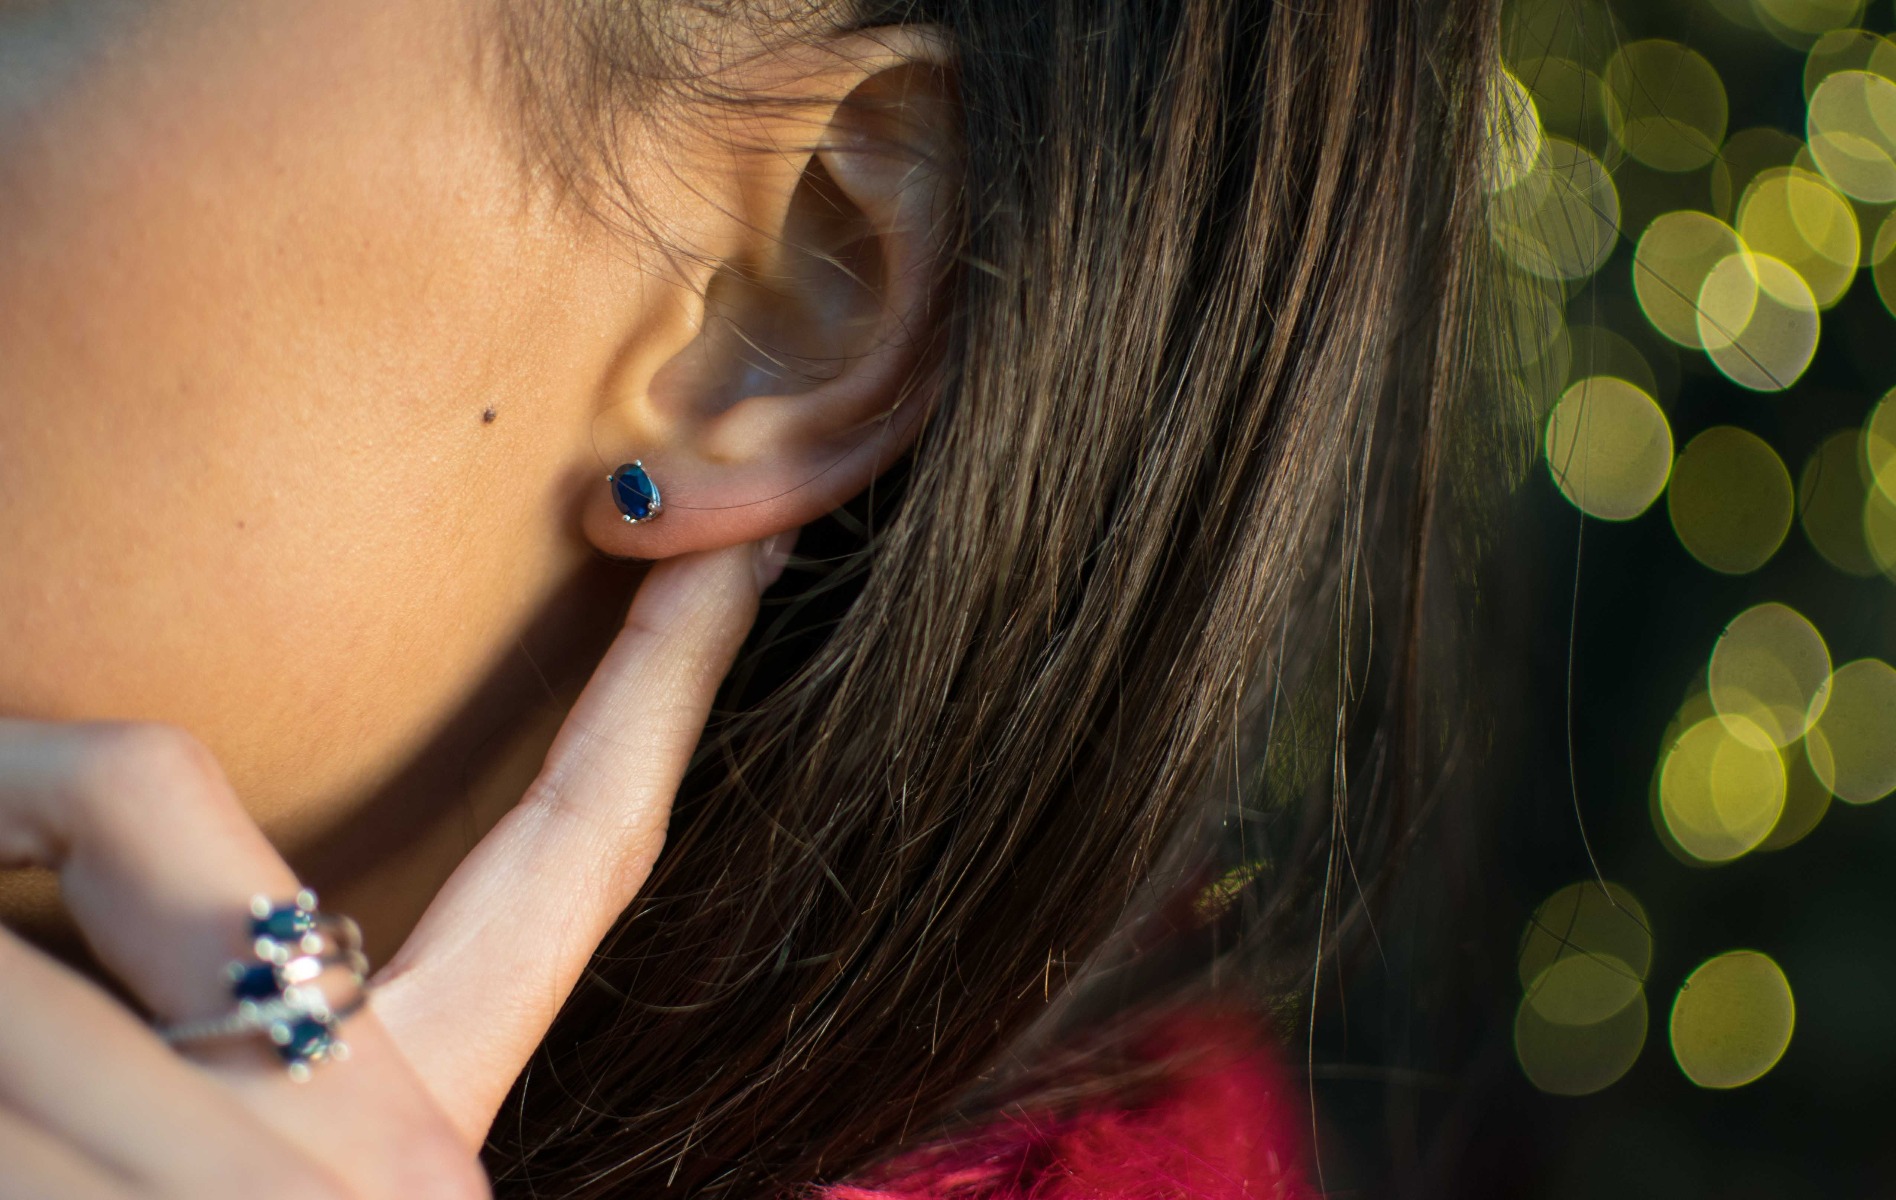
{"x": 93, "y": 1103}
{"x": 308, "y": 391}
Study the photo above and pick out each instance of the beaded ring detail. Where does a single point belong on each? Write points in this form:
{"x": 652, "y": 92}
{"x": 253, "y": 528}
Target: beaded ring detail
{"x": 279, "y": 992}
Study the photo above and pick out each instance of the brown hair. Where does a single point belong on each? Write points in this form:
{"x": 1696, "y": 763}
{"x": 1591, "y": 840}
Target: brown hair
{"x": 1191, "y": 397}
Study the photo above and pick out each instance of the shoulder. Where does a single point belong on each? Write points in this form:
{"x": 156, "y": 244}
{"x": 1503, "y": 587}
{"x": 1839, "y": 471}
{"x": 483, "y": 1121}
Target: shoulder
{"x": 1222, "y": 1121}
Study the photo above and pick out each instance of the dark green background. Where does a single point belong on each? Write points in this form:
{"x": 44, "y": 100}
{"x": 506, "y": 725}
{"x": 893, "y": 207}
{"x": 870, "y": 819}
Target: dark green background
{"x": 1416, "y": 1078}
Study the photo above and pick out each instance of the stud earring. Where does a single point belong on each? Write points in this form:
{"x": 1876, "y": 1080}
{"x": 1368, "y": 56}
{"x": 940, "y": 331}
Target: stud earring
{"x": 635, "y": 493}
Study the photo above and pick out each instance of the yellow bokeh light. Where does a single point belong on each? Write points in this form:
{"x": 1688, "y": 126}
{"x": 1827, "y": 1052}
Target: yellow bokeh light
{"x": 1535, "y": 355}
{"x": 1847, "y": 50}
{"x": 1797, "y": 217}
{"x": 1670, "y": 265}
{"x": 1597, "y": 350}
{"x": 1545, "y": 377}
{"x": 1585, "y": 953}
{"x": 1883, "y": 261}
{"x": 1576, "y": 1060}
{"x": 1770, "y": 671}
{"x": 1608, "y": 448}
{"x": 1830, "y": 496}
{"x": 1852, "y": 747}
{"x": 1746, "y": 155}
{"x": 1873, "y": 250}
{"x": 1796, "y": 22}
{"x": 1514, "y": 133}
{"x": 1732, "y": 1019}
{"x": 1665, "y": 104}
{"x": 1588, "y": 917}
{"x": 1879, "y": 529}
{"x": 1738, "y": 12}
{"x": 1721, "y": 789}
{"x": 1559, "y": 220}
{"x": 1696, "y": 707}
{"x": 1730, "y": 500}
{"x": 1851, "y": 131}
{"x": 1806, "y": 800}
{"x": 1567, "y": 96}
{"x": 1583, "y": 990}
{"x": 1584, "y": 31}
{"x": 1879, "y": 445}
{"x": 1757, "y": 320}
{"x": 1533, "y": 320}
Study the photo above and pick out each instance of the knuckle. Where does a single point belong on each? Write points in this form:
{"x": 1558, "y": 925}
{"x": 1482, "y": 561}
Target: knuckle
{"x": 622, "y": 823}
{"x": 123, "y": 756}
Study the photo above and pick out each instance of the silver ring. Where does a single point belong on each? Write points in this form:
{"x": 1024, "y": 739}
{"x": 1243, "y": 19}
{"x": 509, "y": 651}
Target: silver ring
{"x": 279, "y": 993}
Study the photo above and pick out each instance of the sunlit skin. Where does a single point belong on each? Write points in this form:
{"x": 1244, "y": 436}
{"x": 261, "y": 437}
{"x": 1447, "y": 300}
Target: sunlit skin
{"x": 311, "y": 389}
{"x": 310, "y": 393}
{"x": 251, "y": 341}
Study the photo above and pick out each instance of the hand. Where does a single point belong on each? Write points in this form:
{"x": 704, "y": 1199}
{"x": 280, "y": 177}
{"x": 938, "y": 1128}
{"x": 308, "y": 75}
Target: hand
{"x": 157, "y": 863}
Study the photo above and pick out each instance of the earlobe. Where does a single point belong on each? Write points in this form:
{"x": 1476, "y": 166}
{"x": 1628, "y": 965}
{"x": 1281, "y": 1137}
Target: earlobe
{"x": 802, "y": 381}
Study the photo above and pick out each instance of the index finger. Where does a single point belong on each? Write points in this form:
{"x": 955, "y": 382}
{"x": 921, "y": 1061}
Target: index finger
{"x": 473, "y": 990}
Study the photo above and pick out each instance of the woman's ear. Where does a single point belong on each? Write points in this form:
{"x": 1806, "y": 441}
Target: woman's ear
{"x": 798, "y": 345}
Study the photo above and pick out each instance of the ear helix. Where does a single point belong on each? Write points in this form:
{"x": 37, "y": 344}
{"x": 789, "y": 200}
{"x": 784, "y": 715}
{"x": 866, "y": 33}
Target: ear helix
{"x": 634, "y": 493}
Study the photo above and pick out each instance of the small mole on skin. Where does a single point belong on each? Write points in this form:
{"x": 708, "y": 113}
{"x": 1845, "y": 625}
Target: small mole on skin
{"x": 240, "y": 524}
{"x": 487, "y": 417}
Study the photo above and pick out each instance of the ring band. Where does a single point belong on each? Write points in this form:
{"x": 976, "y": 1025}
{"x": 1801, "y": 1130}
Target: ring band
{"x": 279, "y": 992}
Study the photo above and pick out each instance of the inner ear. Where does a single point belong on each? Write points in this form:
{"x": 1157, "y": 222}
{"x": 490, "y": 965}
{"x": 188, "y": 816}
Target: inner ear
{"x": 794, "y": 320}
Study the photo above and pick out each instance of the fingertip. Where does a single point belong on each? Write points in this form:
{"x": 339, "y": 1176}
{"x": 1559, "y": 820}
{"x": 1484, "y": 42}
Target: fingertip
{"x": 772, "y": 555}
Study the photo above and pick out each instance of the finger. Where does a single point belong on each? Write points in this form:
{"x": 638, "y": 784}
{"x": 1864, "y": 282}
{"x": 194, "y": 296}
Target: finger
{"x": 77, "y": 1065}
{"x": 157, "y": 863}
{"x": 157, "y": 859}
{"x": 34, "y": 1165}
{"x": 474, "y": 989}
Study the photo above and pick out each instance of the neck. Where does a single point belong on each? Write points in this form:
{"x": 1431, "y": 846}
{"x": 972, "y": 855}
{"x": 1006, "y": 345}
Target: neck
{"x": 380, "y": 856}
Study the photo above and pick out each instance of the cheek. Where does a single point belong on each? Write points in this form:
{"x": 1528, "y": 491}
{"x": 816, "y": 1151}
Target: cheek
{"x": 250, "y": 319}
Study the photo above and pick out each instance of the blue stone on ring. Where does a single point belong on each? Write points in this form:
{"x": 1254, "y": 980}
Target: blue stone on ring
{"x": 303, "y": 1040}
{"x": 284, "y": 922}
{"x": 257, "y": 981}
{"x": 635, "y": 493}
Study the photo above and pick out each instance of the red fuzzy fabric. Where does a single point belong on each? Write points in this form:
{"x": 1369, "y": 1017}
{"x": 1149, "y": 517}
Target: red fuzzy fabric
{"x": 1225, "y": 1125}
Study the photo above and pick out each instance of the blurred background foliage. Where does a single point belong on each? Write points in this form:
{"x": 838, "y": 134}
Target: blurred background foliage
{"x": 1675, "y": 975}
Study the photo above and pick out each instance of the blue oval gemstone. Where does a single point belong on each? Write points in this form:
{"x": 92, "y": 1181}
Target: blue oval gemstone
{"x": 309, "y": 1038}
{"x": 258, "y": 982}
{"x": 283, "y": 924}
{"x": 634, "y": 492}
